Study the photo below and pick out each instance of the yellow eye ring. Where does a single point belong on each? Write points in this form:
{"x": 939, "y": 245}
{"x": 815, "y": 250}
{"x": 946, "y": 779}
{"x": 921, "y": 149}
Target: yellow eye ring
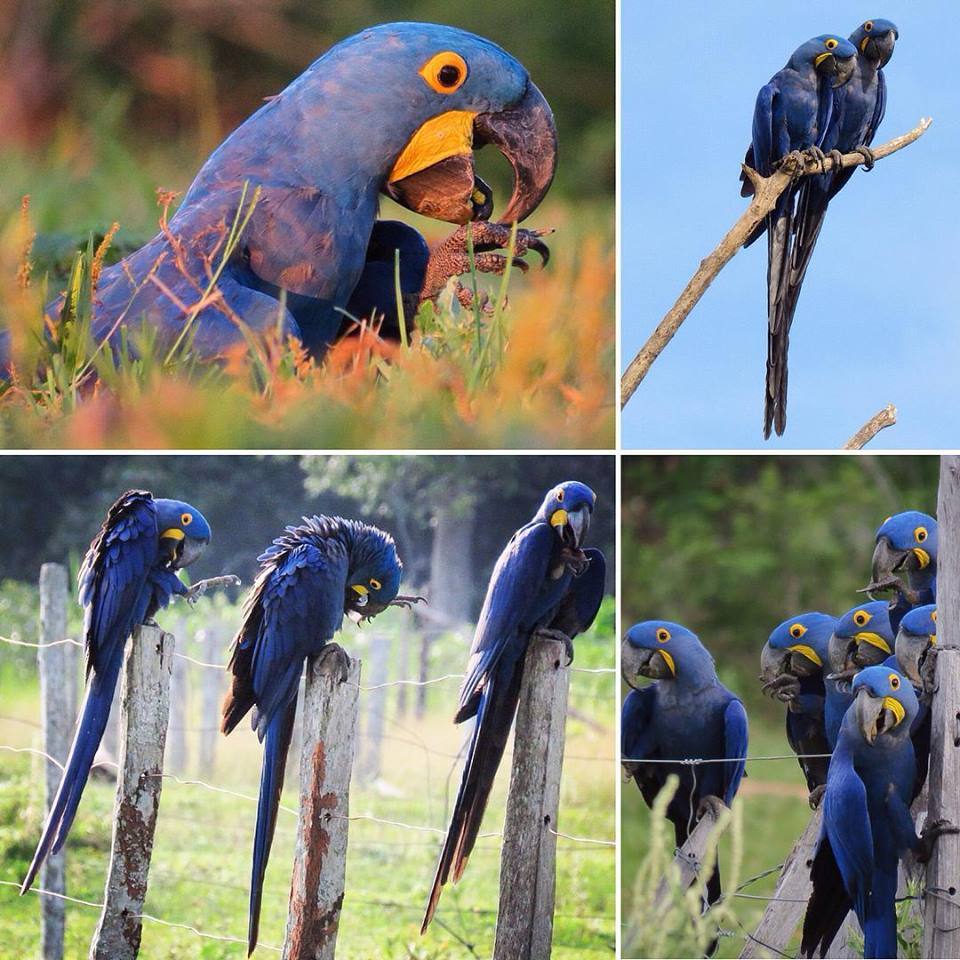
{"x": 663, "y": 635}
{"x": 920, "y": 534}
{"x": 797, "y": 631}
{"x": 868, "y": 26}
{"x": 894, "y": 681}
{"x": 861, "y": 618}
{"x": 445, "y": 72}
{"x": 375, "y": 584}
{"x": 186, "y": 519}
{"x": 933, "y": 616}
{"x": 560, "y": 496}
{"x": 830, "y": 44}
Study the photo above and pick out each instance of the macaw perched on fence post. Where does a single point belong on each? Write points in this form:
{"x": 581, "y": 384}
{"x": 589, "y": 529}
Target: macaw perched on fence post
{"x": 685, "y": 714}
{"x": 867, "y": 826}
{"x": 396, "y": 109}
{"x": 309, "y": 578}
{"x": 129, "y": 573}
{"x": 793, "y": 112}
{"x": 544, "y": 583}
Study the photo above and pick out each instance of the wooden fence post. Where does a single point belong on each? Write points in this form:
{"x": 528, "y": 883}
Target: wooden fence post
{"x": 176, "y": 756}
{"x": 211, "y": 690}
{"x": 330, "y": 715}
{"x": 58, "y": 681}
{"x": 403, "y": 658}
{"x": 528, "y": 858}
{"x": 143, "y": 732}
{"x": 376, "y": 707}
{"x": 941, "y": 927}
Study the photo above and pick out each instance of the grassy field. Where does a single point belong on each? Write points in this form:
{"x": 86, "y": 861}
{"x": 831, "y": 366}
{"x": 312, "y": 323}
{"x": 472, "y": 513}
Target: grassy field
{"x": 200, "y": 867}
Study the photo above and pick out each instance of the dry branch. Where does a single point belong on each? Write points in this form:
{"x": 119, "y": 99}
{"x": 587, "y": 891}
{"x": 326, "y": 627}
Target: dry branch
{"x": 886, "y": 417}
{"x": 767, "y": 191}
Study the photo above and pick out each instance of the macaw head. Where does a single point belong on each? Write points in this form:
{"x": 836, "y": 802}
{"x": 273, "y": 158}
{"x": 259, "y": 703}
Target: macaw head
{"x": 831, "y": 56}
{"x": 798, "y": 646}
{"x": 884, "y": 703}
{"x": 661, "y": 650}
{"x": 373, "y": 580}
{"x": 906, "y": 542}
{"x": 435, "y": 94}
{"x": 917, "y": 634}
{"x": 184, "y": 532}
{"x": 568, "y": 508}
{"x": 862, "y": 638}
{"x": 875, "y": 39}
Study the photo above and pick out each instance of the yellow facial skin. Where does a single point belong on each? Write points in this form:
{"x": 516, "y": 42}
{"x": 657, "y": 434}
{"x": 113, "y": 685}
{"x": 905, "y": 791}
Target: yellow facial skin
{"x": 895, "y": 707}
{"x": 808, "y": 652}
{"x": 449, "y": 134}
{"x": 668, "y": 660}
{"x": 173, "y": 533}
{"x": 558, "y": 518}
{"x": 874, "y": 639}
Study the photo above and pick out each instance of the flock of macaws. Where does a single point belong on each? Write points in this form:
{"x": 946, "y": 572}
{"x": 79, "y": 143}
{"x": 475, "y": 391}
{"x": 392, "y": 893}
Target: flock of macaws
{"x": 544, "y": 584}
{"x": 829, "y": 99}
{"x": 857, "y": 690}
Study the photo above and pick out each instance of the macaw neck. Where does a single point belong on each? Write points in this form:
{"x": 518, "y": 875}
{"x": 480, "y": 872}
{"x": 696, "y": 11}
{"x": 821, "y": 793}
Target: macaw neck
{"x": 923, "y": 579}
{"x": 694, "y": 674}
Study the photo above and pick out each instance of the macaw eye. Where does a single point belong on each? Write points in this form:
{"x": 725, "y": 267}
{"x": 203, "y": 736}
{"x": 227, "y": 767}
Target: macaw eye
{"x": 797, "y": 631}
{"x": 560, "y": 496}
{"x": 830, "y": 44}
{"x": 445, "y": 72}
{"x": 186, "y": 519}
{"x": 375, "y": 584}
{"x": 894, "y": 681}
{"x": 861, "y": 618}
{"x": 933, "y": 616}
{"x": 920, "y": 534}
{"x": 663, "y": 635}
{"x": 868, "y": 26}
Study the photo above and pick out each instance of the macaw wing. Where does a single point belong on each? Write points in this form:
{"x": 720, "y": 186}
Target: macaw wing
{"x": 296, "y": 606}
{"x": 579, "y": 607}
{"x": 879, "y": 110}
{"x": 114, "y": 573}
{"x": 517, "y": 576}
{"x": 638, "y": 742}
{"x": 735, "y": 738}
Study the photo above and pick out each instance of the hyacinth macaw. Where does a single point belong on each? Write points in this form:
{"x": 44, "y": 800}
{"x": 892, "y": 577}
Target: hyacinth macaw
{"x": 916, "y": 648}
{"x": 906, "y": 543}
{"x": 793, "y": 665}
{"x": 396, "y": 109}
{"x": 859, "y": 106}
{"x": 686, "y": 714}
{"x": 310, "y": 577}
{"x": 794, "y": 111}
{"x": 867, "y": 824}
{"x": 129, "y": 573}
{"x": 544, "y": 584}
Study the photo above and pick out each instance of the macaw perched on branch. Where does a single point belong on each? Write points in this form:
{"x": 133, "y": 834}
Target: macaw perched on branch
{"x": 867, "y": 826}
{"x": 686, "y": 714}
{"x": 544, "y": 584}
{"x": 128, "y": 574}
{"x": 396, "y": 109}
{"x": 794, "y": 111}
{"x": 906, "y": 543}
{"x": 309, "y": 578}
{"x": 793, "y": 668}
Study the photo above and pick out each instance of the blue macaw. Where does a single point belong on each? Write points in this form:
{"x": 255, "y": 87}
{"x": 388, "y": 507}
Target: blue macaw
{"x": 309, "y": 578}
{"x": 794, "y": 664}
{"x": 867, "y": 824}
{"x": 129, "y": 573}
{"x": 396, "y": 109}
{"x": 906, "y": 543}
{"x": 794, "y": 111}
{"x": 916, "y": 649}
{"x": 686, "y": 714}
{"x": 543, "y": 584}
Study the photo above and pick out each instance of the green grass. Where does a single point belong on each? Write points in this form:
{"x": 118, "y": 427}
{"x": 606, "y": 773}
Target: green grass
{"x": 200, "y": 866}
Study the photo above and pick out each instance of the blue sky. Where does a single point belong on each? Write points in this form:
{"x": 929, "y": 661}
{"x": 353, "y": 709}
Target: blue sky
{"x": 877, "y": 321}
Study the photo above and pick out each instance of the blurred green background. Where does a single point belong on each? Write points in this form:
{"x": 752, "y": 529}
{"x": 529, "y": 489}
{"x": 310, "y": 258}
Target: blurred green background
{"x": 730, "y": 547}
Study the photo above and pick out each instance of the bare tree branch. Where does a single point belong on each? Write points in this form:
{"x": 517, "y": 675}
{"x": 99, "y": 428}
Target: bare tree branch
{"x": 767, "y": 191}
{"x": 887, "y": 417}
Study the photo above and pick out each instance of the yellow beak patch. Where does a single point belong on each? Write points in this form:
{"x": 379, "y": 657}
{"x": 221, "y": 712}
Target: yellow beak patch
{"x": 895, "y": 707}
{"x": 821, "y": 58}
{"x": 668, "y": 660}
{"x": 359, "y": 588}
{"x": 808, "y": 652}
{"x": 172, "y": 534}
{"x": 874, "y": 639}
{"x": 923, "y": 558}
{"x": 558, "y": 518}
{"x": 448, "y": 135}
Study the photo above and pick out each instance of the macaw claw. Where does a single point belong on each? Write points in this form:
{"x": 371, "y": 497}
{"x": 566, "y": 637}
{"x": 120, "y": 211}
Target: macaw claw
{"x": 711, "y": 804}
{"x": 406, "y": 602}
{"x": 335, "y": 661}
{"x": 200, "y": 588}
{"x": 928, "y": 837}
{"x": 816, "y": 796}
{"x": 545, "y": 633}
{"x": 783, "y": 687}
{"x": 869, "y": 160}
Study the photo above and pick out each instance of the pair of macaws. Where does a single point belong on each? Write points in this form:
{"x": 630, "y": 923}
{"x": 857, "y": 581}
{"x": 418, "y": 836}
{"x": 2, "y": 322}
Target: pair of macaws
{"x": 395, "y": 110}
{"x": 862, "y": 734}
{"x": 829, "y": 98}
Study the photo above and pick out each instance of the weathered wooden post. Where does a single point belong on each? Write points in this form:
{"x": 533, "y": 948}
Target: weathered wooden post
{"x": 145, "y": 698}
{"x": 58, "y": 681}
{"x": 176, "y": 756}
{"x": 330, "y": 714}
{"x": 376, "y": 706}
{"x": 403, "y": 658}
{"x": 211, "y": 691}
{"x": 528, "y": 856}
{"x": 941, "y": 921}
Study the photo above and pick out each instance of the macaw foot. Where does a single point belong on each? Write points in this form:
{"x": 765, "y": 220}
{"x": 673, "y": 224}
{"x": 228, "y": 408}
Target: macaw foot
{"x": 406, "y": 602}
{"x": 150, "y": 622}
{"x": 816, "y": 796}
{"x": 928, "y": 672}
{"x": 712, "y": 805}
{"x": 869, "y": 160}
{"x": 817, "y": 155}
{"x": 783, "y": 688}
{"x": 545, "y": 633}
{"x": 335, "y": 661}
{"x": 795, "y": 159}
{"x": 451, "y": 257}
{"x": 837, "y": 157}
{"x": 200, "y": 588}
{"x": 932, "y": 830}
{"x": 892, "y": 582}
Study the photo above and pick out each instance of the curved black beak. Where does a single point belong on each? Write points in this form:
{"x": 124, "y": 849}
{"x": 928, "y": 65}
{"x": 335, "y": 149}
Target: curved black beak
{"x": 911, "y": 651}
{"x": 636, "y": 662}
{"x": 839, "y": 68}
{"x": 182, "y": 551}
{"x": 888, "y": 561}
{"x": 527, "y": 136}
{"x": 879, "y": 48}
